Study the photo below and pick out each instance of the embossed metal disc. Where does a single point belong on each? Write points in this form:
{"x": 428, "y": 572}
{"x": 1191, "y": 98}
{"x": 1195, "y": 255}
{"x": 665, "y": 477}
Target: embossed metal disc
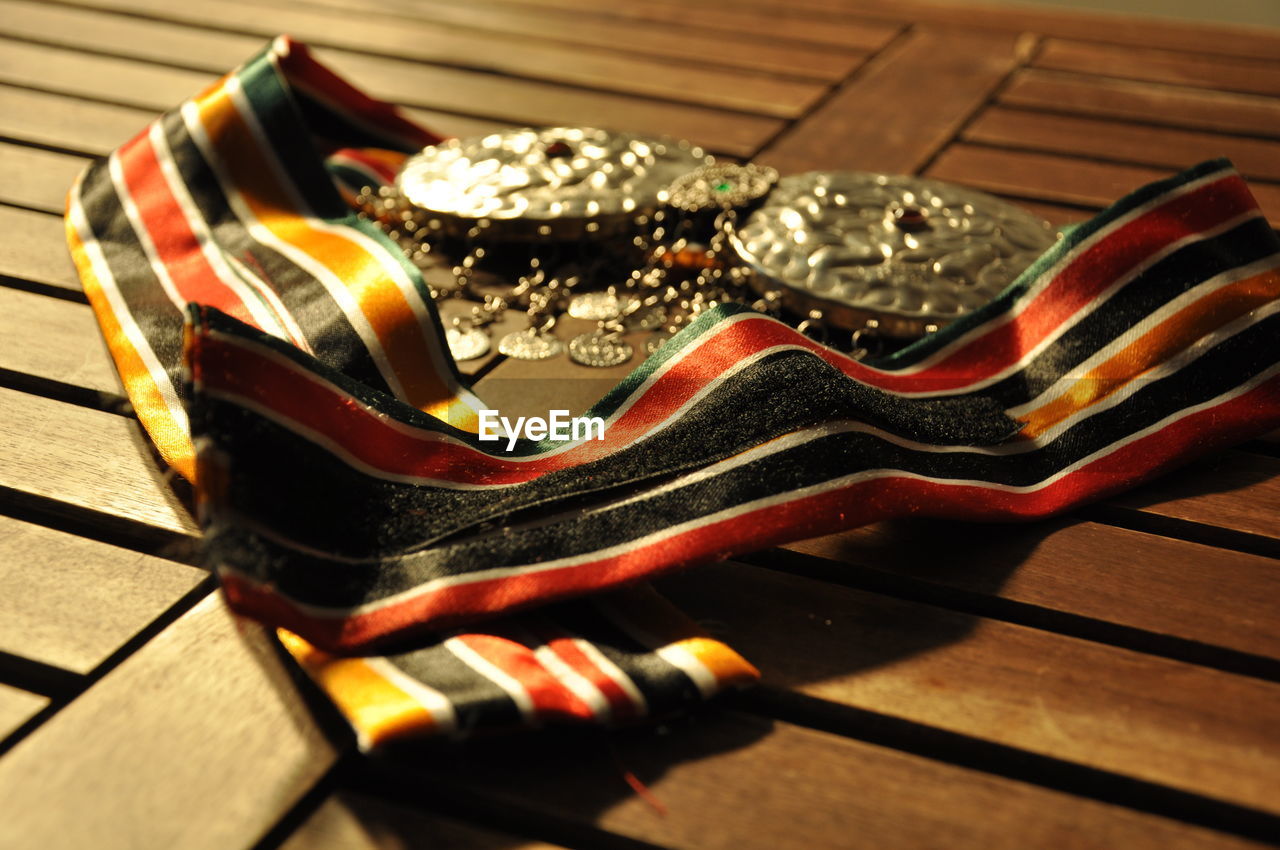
{"x": 530, "y": 345}
{"x": 597, "y": 349}
{"x": 721, "y": 186}
{"x": 467, "y": 344}
{"x": 906, "y": 251}
{"x": 561, "y": 182}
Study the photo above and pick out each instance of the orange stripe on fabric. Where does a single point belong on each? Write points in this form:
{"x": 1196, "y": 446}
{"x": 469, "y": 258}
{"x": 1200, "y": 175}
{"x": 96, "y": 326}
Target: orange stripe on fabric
{"x": 169, "y": 435}
{"x": 401, "y": 335}
{"x": 378, "y": 709}
{"x": 661, "y": 620}
{"x": 1156, "y": 346}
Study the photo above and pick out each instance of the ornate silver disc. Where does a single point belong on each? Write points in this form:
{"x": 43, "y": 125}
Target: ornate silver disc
{"x": 528, "y": 344}
{"x": 559, "y": 182}
{"x": 599, "y": 349}
{"x": 909, "y": 252}
{"x": 467, "y": 344}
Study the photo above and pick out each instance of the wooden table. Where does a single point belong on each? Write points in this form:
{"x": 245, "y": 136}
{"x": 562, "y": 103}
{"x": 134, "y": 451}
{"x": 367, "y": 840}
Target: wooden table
{"x": 1109, "y": 679}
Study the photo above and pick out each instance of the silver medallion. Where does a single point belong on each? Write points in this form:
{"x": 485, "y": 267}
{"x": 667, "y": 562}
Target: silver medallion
{"x": 599, "y": 349}
{"x": 912, "y": 253}
{"x": 467, "y": 343}
{"x": 721, "y": 186}
{"x": 529, "y": 344}
{"x": 597, "y": 306}
{"x": 553, "y": 182}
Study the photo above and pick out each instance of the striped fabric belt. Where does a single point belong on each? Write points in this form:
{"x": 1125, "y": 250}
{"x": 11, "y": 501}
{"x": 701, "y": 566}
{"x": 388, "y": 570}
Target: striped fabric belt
{"x": 287, "y": 359}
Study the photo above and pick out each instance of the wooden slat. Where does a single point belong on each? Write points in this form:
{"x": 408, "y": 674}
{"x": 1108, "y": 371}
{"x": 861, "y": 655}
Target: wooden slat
{"x": 197, "y": 740}
{"x": 1059, "y": 178}
{"x": 508, "y": 100}
{"x": 1183, "y": 726}
{"x": 1106, "y": 574}
{"x": 1055, "y": 214}
{"x": 85, "y": 458}
{"x": 36, "y": 178}
{"x": 683, "y": 44}
{"x": 944, "y": 75}
{"x": 17, "y": 707}
{"x": 1220, "y": 73}
{"x": 349, "y": 821}
{"x": 67, "y": 122}
{"x": 859, "y": 35}
{"x": 1115, "y": 140}
{"x": 1175, "y": 106}
{"x": 1235, "y": 490}
{"x": 516, "y": 56}
{"x": 738, "y": 782}
{"x": 55, "y": 339}
{"x": 106, "y": 78}
{"x": 33, "y": 247}
{"x": 70, "y": 602}
{"x": 1139, "y": 30}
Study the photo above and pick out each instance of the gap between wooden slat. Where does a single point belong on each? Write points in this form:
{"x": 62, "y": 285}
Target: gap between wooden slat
{"x": 17, "y": 707}
{"x": 734, "y": 781}
{"x": 687, "y": 45}
{"x": 451, "y": 96}
{"x": 1109, "y": 139}
{"x": 1217, "y": 73}
{"x": 1197, "y": 730}
{"x": 1053, "y": 177}
{"x": 858, "y": 35}
{"x": 1169, "y": 105}
{"x": 516, "y": 57}
{"x": 1119, "y": 29}
{"x": 350, "y": 821}
{"x": 944, "y": 77}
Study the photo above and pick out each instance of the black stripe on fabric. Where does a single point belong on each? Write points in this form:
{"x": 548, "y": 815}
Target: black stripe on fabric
{"x": 664, "y": 686}
{"x": 287, "y": 130}
{"x": 778, "y": 394}
{"x": 145, "y": 299}
{"x": 326, "y": 123}
{"x": 324, "y": 582}
{"x": 477, "y": 701}
{"x": 1163, "y": 282}
{"x": 322, "y": 321}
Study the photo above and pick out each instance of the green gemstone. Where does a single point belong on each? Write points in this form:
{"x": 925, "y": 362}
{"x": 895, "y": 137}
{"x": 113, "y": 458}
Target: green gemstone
{"x": 722, "y": 186}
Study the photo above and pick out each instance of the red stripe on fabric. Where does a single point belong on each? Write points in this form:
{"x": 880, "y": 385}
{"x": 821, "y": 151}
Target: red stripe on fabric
{"x": 1254, "y": 412}
{"x": 298, "y": 65}
{"x": 176, "y": 244}
{"x": 293, "y": 392}
{"x": 551, "y": 698}
{"x": 1082, "y": 281}
{"x": 620, "y": 703}
{"x": 384, "y": 172}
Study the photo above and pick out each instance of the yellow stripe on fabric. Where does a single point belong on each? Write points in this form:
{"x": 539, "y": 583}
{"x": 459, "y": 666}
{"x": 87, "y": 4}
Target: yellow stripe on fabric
{"x": 729, "y": 668}
{"x": 170, "y": 436}
{"x": 668, "y": 629}
{"x": 1154, "y": 347}
{"x": 377, "y": 709}
{"x": 425, "y": 382}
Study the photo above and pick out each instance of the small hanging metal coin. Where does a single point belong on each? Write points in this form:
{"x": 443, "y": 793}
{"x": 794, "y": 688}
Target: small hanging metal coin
{"x": 599, "y": 349}
{"x": 646, "y": 318}
{"x": 596, "y": 306}
{"x": 528, "y": 344}
{"x": 467, "y": 344}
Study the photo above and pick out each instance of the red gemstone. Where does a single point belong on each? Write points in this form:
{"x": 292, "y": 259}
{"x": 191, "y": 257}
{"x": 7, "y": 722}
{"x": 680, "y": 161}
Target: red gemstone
{"x": 558, "y": 149}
